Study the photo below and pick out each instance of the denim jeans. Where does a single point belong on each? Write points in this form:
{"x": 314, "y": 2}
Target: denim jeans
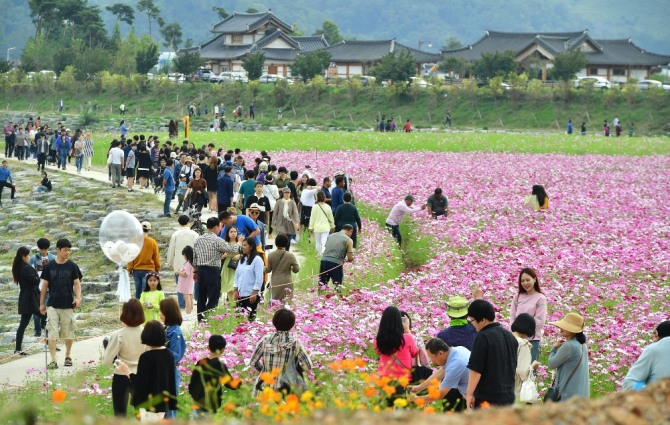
{"x": 168, "y": 199}
{"x": 395, "y": 232}
{"x": 62, "y": 158}
{"x": 79, "y": 162}
{"x": 180, "y": 297}
{"x": 534, "y": 350}
{"x": 139, "y": 276}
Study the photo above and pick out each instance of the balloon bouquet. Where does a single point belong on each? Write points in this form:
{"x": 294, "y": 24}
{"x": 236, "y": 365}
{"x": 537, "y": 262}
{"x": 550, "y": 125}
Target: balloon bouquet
{"x": 121, "y": 239}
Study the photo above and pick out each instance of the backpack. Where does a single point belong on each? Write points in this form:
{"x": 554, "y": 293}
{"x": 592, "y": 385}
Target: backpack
{"x": 290, "y": 379}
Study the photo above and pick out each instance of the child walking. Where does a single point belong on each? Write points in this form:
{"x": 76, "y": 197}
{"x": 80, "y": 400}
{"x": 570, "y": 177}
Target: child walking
{"x": 185, "y": 281}
{"x": 151, "y": 297}
{"x": 170, "y": 315}
{"x": 181, "y": 191}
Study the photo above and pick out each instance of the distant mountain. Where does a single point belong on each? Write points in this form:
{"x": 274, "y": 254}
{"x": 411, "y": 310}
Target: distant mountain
{"x": 410, "y": 22}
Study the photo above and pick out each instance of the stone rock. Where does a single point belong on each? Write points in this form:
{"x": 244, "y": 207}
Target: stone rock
{"x": 90, "y": 288}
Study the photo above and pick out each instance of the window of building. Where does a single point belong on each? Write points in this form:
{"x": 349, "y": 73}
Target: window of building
{"x": 593, "y": 71}
{"x": 238, "y": 38}
{"x": 619, "y": 71}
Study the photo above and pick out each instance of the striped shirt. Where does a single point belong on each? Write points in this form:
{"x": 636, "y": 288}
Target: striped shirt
{"x": 208, "y": 249}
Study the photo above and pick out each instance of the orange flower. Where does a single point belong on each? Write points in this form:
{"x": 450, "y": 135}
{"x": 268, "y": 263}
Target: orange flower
{"x": 195, "y": 407}
{"x": 58, "y": 396}
{"x": 485, "y": 405}
{"x": 419, "y": 401}
{"x": 370, "y": 391}
{"x": 389, "y": 390}
{"x": 235, "y": 383}
{"x": 429, "y": 409}
{"x": 434, "y": 393}
{"x": 403, "y": 381}
{"x": 268, "y": 378}
{"x": 360, "y": 362}
{"x": 229, "y": 407}
{"x": 224, "y": 379}
{"x": 335, "y": 366}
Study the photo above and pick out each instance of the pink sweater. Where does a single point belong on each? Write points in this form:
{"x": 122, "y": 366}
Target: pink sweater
{"x": 389, "y": 367}
{"x": 535, "y": 305}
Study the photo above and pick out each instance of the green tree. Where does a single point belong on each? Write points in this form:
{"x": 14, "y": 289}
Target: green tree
{"x": 567, "y": 64}
{"x": 151, "y": 10}
{"x": 123, "y": 12}
{"x": 221, "y": 12}
{"x": 308, "y": 65}
{"x": 90, "y": 61}
{"x": 454, "y": 66}
{"x": 146, "y": 56}
{"x": 330, "y": 32}
{"x": 115, "y": 40}
{"x": 187, "y": 62}
{"x": 124, "y": 61}
{"x": 252, "y": 10}
{"x": 297, "y": 31}
{"x": 395, "y": 67}
{"x": 493, "y": 64}
{"x": 452, "y": 43}
{"x": 172, "y": 35}
{"x": 5, "y": 66}
{"x": 253, "y": 64}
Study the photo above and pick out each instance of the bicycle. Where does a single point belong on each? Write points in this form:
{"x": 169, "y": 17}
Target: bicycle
{"x": 197, "y": 225}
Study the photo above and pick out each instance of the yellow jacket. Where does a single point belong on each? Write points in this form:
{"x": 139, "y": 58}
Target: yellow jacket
{"x": 148, "y": 258}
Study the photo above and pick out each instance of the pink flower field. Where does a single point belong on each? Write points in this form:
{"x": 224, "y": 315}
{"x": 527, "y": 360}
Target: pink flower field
{"x": 602, "y": 249}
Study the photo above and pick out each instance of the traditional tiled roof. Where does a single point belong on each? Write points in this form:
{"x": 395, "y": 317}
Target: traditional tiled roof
{"x": 624, "y": 52}
{"x": 374, "y": 50}
{"x": 311, "y": 43}
{"x": 605, "y": 52}
{"x": 275, "y": 35}
{"x": 238, "y": 22}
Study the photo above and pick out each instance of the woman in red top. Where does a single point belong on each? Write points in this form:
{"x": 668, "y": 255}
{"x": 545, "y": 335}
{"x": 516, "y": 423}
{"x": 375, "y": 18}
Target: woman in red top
{"x": 197, "y": 188}
{"x": 396, "y": 348}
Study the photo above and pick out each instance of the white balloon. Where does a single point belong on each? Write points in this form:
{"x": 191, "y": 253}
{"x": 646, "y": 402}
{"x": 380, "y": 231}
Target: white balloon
{"x": 121, "y": 247}
{"x": 120, "y": 236}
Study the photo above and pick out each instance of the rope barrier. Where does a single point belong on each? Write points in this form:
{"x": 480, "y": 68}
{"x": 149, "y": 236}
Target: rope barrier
{"x": 87, "y": 337}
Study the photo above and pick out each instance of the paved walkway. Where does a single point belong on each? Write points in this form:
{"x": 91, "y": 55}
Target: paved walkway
{"x": 86, "y": 353}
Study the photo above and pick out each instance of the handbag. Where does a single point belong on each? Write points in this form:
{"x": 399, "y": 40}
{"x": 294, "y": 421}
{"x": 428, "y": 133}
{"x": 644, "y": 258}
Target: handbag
{"x": 291, "y": 379}
{"x": 232, "y": 264}
{"x": 553, "y": 393}
{"x": 332, "y": 225}
{"x": 528, "y": 392}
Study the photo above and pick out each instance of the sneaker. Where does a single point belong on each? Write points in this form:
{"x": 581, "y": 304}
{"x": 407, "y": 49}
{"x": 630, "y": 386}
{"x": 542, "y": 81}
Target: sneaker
{"x": 20, "y": 353}
{"x": 105, "y": 342}
{"x": 52, "y": 366}
{"x": 338, "y": 288}
{"x": 68, "y": 362}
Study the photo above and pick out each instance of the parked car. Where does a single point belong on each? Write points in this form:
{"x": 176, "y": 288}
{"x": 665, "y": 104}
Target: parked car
{"x": 178, "y": 78}
{"x": 419, "y": 82}
{"x": 649, "y": 84}
{"x": 273, "y": 78}
{"x": 204, "y": 74}
{"x": 226, "y": 76}
{"x": 598, "y": 82}
{"x": 367, "y": 80}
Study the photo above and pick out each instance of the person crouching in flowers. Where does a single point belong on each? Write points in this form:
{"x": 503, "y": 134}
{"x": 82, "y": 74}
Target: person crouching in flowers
{"x": 210, "y": 376}
{"x": 274, "y": 351}
{"x": 396, "y": 350}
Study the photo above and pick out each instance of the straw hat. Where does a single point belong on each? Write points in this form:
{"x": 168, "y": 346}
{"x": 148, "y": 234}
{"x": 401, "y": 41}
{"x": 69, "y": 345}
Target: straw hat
{"x": 572, "y": 322}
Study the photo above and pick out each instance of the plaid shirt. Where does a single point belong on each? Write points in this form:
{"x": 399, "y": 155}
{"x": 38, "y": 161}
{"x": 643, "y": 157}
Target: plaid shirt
{"x": 274, "y": 351}
{"x": 208, "y": 249}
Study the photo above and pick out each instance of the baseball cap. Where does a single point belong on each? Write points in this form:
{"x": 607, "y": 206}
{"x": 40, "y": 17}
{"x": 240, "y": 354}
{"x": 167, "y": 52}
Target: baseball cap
{"x": 146, "y": 225}
{"x": 457, "y": 306}
{"x": 409, "y": 198}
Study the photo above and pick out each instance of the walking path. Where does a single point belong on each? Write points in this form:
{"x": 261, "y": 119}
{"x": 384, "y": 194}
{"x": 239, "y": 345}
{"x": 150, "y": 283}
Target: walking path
{"x": 86, "y": 353}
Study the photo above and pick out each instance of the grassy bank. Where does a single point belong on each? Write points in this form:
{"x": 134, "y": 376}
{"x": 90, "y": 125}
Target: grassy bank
{"x": 348, "y": 107}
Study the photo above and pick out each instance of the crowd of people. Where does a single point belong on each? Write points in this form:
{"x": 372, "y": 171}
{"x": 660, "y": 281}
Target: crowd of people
{"x": 477, "y": 361}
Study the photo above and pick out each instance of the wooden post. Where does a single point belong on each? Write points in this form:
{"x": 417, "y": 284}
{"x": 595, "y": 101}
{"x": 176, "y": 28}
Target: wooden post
{"x": 162, "y": 108}
{"x": 557, "y": 125}
{"x": 294, "y": 112}
{"x": 430, "y": 119}
{"x": 305, "y": 117}
{"x": 588, "y": 117}
{"x": 111, "y": 109}
{"x": 534, "y": 118}
{"x": 351, "y": 118}
{"x": 501, "y": 122}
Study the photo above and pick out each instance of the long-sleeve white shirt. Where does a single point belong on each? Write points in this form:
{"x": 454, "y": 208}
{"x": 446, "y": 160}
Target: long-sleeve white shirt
{"x": 398, "y": 213}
